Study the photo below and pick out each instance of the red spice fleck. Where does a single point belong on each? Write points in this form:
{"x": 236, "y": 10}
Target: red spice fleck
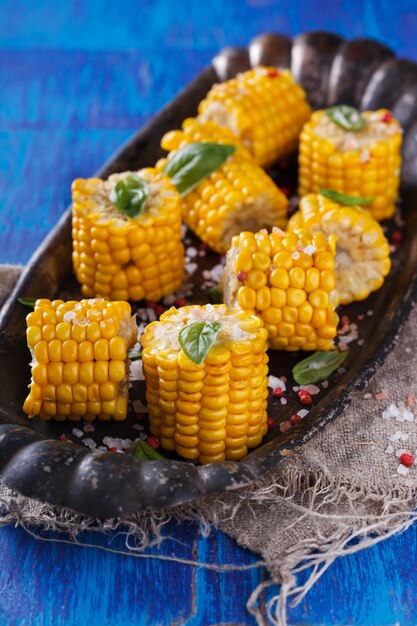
{"x": 305, "y": 397}
{"x": 181, "y": 302}
{"x": 277, "y": 392}
{"x": 153, "y": 442}
{"x": 294, "y": 419}
{"x": 406, "y": 459}
{"x": 270, "y": 422}
{"x": 113, "y": 449}
{"x": 63, "y": 437}
{"x": 397, "y": 237}
{"x": 159, "y": 309}
{"x": 361, "y": 317}
{"x": 410, "y": 399}
{"x": 382, "y": 395}
{"x": 387, "y": 117}
{"x": 242, "y": 276}
{"x": 150, "y": 304}
{"x": 273, "y": 73}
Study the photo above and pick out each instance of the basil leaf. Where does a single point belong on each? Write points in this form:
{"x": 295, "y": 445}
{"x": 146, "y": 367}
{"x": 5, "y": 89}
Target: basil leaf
{"x": 135, "y": 355}
{"x": 318, "y": 366}
{"x": 194, "y": 162}
{"x": 342, "y": 198}
{"x": 197, "y": 339}
{"x": 29, "y": 302}
{"x": 215, "y": 294}
{"x": 144, "y": 452}
{"x": 130, "y": 195}
{"x": 346, "y": 117}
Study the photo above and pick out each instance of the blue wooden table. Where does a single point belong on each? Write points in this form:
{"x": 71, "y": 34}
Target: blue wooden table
{"x": 77, "y": 79}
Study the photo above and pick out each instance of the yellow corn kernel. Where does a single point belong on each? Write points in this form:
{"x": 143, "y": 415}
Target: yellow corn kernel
{"x": 353, "y": 162}
{"x": 295, "y": 292}
{"x": 126, "y": 258}
{"x": 202, "y": 411}
{"x": 74, "y": 373}
{"x": 362, "y": 250}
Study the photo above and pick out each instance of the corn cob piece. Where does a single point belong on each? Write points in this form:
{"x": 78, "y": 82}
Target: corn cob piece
{"x": 118, "y": 257}
{"x": 287, "y": 280}
{"x": 214, "y": 410}
{"x": 363, "y": 163}
{"x": 263, "y": 107}
{"x": 80, "y": 365}
{"x": 362, "y": 250}
{"x": 237, "y": 196}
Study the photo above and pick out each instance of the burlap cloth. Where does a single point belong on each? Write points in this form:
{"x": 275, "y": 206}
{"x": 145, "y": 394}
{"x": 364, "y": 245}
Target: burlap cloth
{"x": 339, "y": 494}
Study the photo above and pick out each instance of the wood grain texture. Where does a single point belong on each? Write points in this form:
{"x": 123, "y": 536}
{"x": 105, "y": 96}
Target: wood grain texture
{"x": 76, "y": 79}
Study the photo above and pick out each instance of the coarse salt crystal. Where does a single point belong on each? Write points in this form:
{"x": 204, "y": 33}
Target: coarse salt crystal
{"x": 136, "y": 370}
{"x": 313, "y": 390}
{"x": 399, "y": 452}
{"x": 303, "y": 412}
{"x": 138, "y": 427}
{"x": 283, "y": 400}
{"x": 89, "y": 443}
{"x": 391, "y": 411}
{"x": 69, "y": 316}
{"x": 191, "y": 267}
{"x": 367, "y": 396}
{"x": 399, "y": 436}
{"x": 310, "y": 250}
{"x": 77, "y": 432}
{"x": 325, "y": 384}
{"x": 402, "y": 470}
{"x": 192, "y": 252}
{"x": 274, "y": 381}
{"x": 295, "y": 255}
{"x": 389, "y": 449}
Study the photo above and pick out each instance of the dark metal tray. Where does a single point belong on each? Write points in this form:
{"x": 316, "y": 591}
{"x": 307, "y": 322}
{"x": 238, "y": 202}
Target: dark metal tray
{"x": 35, "y": 462}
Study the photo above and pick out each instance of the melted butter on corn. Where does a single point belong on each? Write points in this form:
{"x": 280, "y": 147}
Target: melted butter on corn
{"x": 288, "y": 281}
{"x": 80, "y": 362}
{"x": 362, "y": 250}
{"x": 216, "y": 410}
{"x": 362, "y": 163}
{"x": 127, "y": 258}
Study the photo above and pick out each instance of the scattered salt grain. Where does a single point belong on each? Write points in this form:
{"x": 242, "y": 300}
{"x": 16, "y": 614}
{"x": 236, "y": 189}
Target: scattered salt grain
{"x": 283, "y": 400}
{"x": 389, "y": 449}
{"x": 399, "y": 452}
{"x": 391, "y": 411}
{"x": 136, "y": 370}
{"x": 274, "y": 381}
{"x": 137, "y": 426}
{"x": 399, "y": 436}
{"x": 325, "y": 384}
{"x": 89, "y": 443}
{"x": 77, "y": 432}
{"x": 117, "y": 442}
{"x": 191, "y": 267}
{"x": 402, "y": 470}
{"x": 192, "y": 252}
{"x": 367, "y": 396}
{"x": 303, "y": 412}
{"x": 310, "y": 250}
{"x": 295, "y": 255}
{"x": 313, "y": 390}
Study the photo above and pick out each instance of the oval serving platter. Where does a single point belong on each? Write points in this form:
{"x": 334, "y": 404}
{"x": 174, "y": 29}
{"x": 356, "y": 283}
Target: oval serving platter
{"x": 47, "y": 461}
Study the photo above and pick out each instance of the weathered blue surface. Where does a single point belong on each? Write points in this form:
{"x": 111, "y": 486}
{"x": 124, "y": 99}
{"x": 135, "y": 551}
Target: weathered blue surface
{"x": 76, "y": 79}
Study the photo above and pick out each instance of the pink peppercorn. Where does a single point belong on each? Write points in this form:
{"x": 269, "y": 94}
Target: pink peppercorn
{"x": 273, "y": 73}
{"x": 397, "y": 237}
{"x": 270, "y": 422}
{"x": 63, "y": 437}
{"x": 294, "y": 419}
{"x": 181, "y": 302}
{"x": 305, "y": 397}
{"x": 113, "y": 449}
{"x": 387, "y": 117}
{"x": 159, "y": 309}
{"x": 277, "y": 392}
{"x": 150, "y": 304}
{"x": 242, "y": 276}
{"x": 153, "y": 442}
{"x": 406, "y": 459}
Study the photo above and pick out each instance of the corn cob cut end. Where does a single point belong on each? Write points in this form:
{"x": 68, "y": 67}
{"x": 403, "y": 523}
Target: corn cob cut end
{"x": 80, "y": 363}
{"x": 363, "y": 163}
{"x": 362, "y": 250}
{"x": 238, "y": 196}
{"x": 288, "y": 281}
{"x": 212, "y": 411}
{"x": 127, "y": 258}
{"x": 264, "y": 107}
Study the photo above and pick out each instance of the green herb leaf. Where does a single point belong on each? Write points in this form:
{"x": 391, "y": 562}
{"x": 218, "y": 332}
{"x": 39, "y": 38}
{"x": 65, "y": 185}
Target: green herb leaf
{"x": 130, "y": 195}
{"x": 318, "y": 366}
{"x": 29, "y": 302}
{"x": 215, "y": 294}
{"x": 197, "y": 339}
{"x": 144, "y": 452}
{"x": 194, "y": 162}
{"x": 346, "y": 117}
{"x": 342, "y": 198}
{"x": 135, "y": 355}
